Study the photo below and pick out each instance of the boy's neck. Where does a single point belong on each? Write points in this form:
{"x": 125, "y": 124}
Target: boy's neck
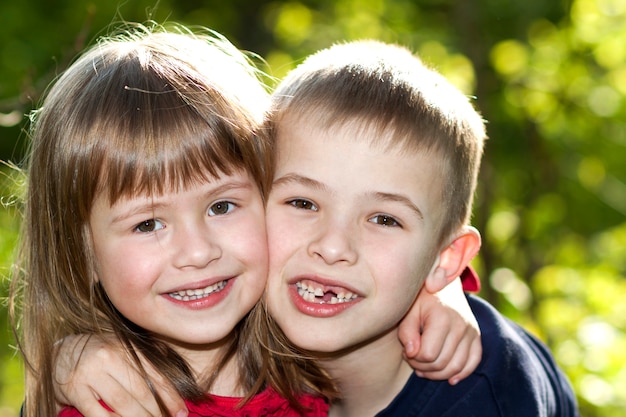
{"x": 369, "y": 378}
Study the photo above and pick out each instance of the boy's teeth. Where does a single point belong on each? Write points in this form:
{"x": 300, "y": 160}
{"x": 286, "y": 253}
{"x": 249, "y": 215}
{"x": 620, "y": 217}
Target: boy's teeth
{"x": 190, "y": 295}
{"x": 310, "y": 293}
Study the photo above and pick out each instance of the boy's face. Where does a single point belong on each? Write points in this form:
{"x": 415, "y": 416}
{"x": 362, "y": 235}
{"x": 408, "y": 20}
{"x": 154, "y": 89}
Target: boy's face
{"x": 185, "y": 265}
{"x": 351, "y": 234}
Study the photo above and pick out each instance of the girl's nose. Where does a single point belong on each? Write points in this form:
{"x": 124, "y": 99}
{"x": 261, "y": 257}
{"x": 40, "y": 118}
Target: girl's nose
{"x": 196, "y": 247}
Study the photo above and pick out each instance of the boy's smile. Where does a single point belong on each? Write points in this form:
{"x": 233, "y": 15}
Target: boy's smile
{"x": 319, "y": 297}
{"x": 350, "y": 230}
{"x": 313, "y": 292}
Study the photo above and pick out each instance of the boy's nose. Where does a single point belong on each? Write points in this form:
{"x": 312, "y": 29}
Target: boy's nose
{"x": 334, "y": 243}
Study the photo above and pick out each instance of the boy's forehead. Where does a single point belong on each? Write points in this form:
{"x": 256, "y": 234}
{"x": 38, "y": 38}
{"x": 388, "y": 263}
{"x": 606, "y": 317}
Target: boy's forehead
{"x": 381, "y": 136}
{"x": 360, "y": 166}
{"x": 298, "y": 132}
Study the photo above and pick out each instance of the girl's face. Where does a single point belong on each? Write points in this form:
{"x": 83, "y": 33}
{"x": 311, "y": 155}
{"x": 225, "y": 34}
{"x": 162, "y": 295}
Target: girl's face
{"x": 185, "y": 265}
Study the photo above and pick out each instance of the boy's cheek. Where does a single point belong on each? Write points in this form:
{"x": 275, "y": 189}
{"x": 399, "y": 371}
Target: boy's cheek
{"x": 284, "y": 237}
{"x": 277, "y": 229}
{"x": 278, "y": 221}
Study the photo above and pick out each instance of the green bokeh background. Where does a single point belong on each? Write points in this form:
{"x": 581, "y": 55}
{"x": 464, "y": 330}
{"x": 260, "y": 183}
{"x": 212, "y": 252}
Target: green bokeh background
{"x": 549, "y": 76}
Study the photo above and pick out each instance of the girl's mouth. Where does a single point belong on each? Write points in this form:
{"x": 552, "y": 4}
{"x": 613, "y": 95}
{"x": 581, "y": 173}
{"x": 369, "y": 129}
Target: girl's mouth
{"x": 191, "y": 295}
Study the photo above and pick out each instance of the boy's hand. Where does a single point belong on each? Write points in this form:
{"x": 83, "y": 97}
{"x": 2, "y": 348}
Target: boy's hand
{"x": 440, "y": 335}
{"x": 93, "y": 368}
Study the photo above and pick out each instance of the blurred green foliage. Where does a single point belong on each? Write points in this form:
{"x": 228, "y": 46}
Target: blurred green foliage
{"x": 550, "y": 77}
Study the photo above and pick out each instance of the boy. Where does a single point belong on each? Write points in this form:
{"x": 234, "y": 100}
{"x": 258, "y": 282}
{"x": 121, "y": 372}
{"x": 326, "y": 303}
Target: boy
{"x": 377, "y": 160}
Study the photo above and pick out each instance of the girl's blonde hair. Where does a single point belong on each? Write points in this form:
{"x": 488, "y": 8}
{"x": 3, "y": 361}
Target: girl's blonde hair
{"x": 141, "y": 112}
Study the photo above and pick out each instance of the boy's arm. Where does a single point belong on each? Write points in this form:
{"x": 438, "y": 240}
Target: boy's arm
{"x": 440, "y": 334}
{"x": 90, "y": 369}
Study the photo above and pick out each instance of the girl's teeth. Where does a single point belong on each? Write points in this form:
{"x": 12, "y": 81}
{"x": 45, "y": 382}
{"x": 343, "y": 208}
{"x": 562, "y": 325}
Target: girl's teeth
{"x": 191, "y": 295}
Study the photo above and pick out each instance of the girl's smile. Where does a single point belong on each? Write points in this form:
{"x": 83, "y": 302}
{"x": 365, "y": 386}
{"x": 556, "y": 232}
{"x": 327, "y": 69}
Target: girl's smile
{"x": 185, "y": 265}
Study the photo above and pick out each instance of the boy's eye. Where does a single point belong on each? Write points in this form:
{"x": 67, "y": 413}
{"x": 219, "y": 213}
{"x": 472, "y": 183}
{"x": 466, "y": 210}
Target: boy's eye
{"x": 220, "y": 208}
{"x": 303, "y": 204}
{"x": 384, "y": 220}
{"x": 148, "y": 226}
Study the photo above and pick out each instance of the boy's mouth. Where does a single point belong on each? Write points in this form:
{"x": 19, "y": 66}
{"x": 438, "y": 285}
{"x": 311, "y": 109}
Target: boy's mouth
{"x": 314, "y": 292}
{"x": 197, "y": 294}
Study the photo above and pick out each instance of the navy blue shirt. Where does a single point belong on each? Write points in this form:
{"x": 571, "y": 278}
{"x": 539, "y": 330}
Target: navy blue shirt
{"x": 517, "y": 377}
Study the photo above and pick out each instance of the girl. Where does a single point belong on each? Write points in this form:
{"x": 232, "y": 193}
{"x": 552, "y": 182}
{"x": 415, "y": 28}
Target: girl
{"x": 144, "y": 220}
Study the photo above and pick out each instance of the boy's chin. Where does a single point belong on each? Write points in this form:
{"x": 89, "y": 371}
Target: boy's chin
{"x": 323, "y": 344}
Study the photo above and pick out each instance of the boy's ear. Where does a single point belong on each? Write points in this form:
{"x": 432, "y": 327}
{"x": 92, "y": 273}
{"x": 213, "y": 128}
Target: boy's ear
{"x": 453, "y": 259}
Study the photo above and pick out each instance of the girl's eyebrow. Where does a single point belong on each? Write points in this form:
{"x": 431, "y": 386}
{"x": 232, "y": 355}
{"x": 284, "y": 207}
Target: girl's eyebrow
{"x": 152, "y": 204}
{"x": 227, "y": 186}
{"x": 137, "y": 210}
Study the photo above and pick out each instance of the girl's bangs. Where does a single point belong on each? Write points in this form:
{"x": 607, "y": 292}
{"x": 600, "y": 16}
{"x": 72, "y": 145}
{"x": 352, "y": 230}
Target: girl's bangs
{"x": 160, "y": 137}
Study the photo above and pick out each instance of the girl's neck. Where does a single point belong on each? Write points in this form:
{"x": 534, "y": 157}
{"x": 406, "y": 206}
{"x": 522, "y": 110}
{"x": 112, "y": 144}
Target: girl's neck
{"x": 227, "y": 383}
{"x": 204, "y": 361}
{"x": 369, "y": 377}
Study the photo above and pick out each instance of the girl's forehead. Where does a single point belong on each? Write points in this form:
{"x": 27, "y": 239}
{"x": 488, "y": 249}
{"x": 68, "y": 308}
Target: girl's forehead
{"x": 168, "y": 182}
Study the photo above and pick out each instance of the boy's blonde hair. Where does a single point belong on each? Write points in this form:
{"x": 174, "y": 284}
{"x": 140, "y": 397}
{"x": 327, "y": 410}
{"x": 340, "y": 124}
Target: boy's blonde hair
{"x": 143, "y": 112}
{"x": 388, "y": 89}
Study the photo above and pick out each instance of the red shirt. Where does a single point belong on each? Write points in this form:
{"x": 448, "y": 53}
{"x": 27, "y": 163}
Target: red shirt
{"x": 267, "y": 403}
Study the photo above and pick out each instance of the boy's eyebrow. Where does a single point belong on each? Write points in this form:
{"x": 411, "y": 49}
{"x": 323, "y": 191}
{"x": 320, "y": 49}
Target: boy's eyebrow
{"x": 399, "y": 198}
{"x": 378, "y": 195}
{"x": 299, "y": 179}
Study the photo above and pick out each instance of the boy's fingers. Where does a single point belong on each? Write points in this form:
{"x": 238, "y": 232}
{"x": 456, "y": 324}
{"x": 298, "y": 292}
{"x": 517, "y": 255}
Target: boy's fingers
{"x": 436, "y": 337}
{"x": 119, "y": 385}
{"x": 87, "y": 404}
{"x": 457, "y": 361}
{"x": 442, "y": 367}
{"x": 172, "y": 400}
{"x": 129, "y": 398}
{"x": 132, "y": 397}
{"x": 409, "y": 333}
{"x": 138, "y": 402}
{"x": 473, "y": 360}
{"x": 444, "y": 356}
{"x": 432, "y": 354}
{"x": 115, "y": 397}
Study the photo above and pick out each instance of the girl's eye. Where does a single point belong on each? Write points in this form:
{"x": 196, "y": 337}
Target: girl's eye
{"x": 385, "y": 220}
{"x": 148, "y": 226}
{"x": 303, "y": 204}
{"x": 220, "y": 208}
